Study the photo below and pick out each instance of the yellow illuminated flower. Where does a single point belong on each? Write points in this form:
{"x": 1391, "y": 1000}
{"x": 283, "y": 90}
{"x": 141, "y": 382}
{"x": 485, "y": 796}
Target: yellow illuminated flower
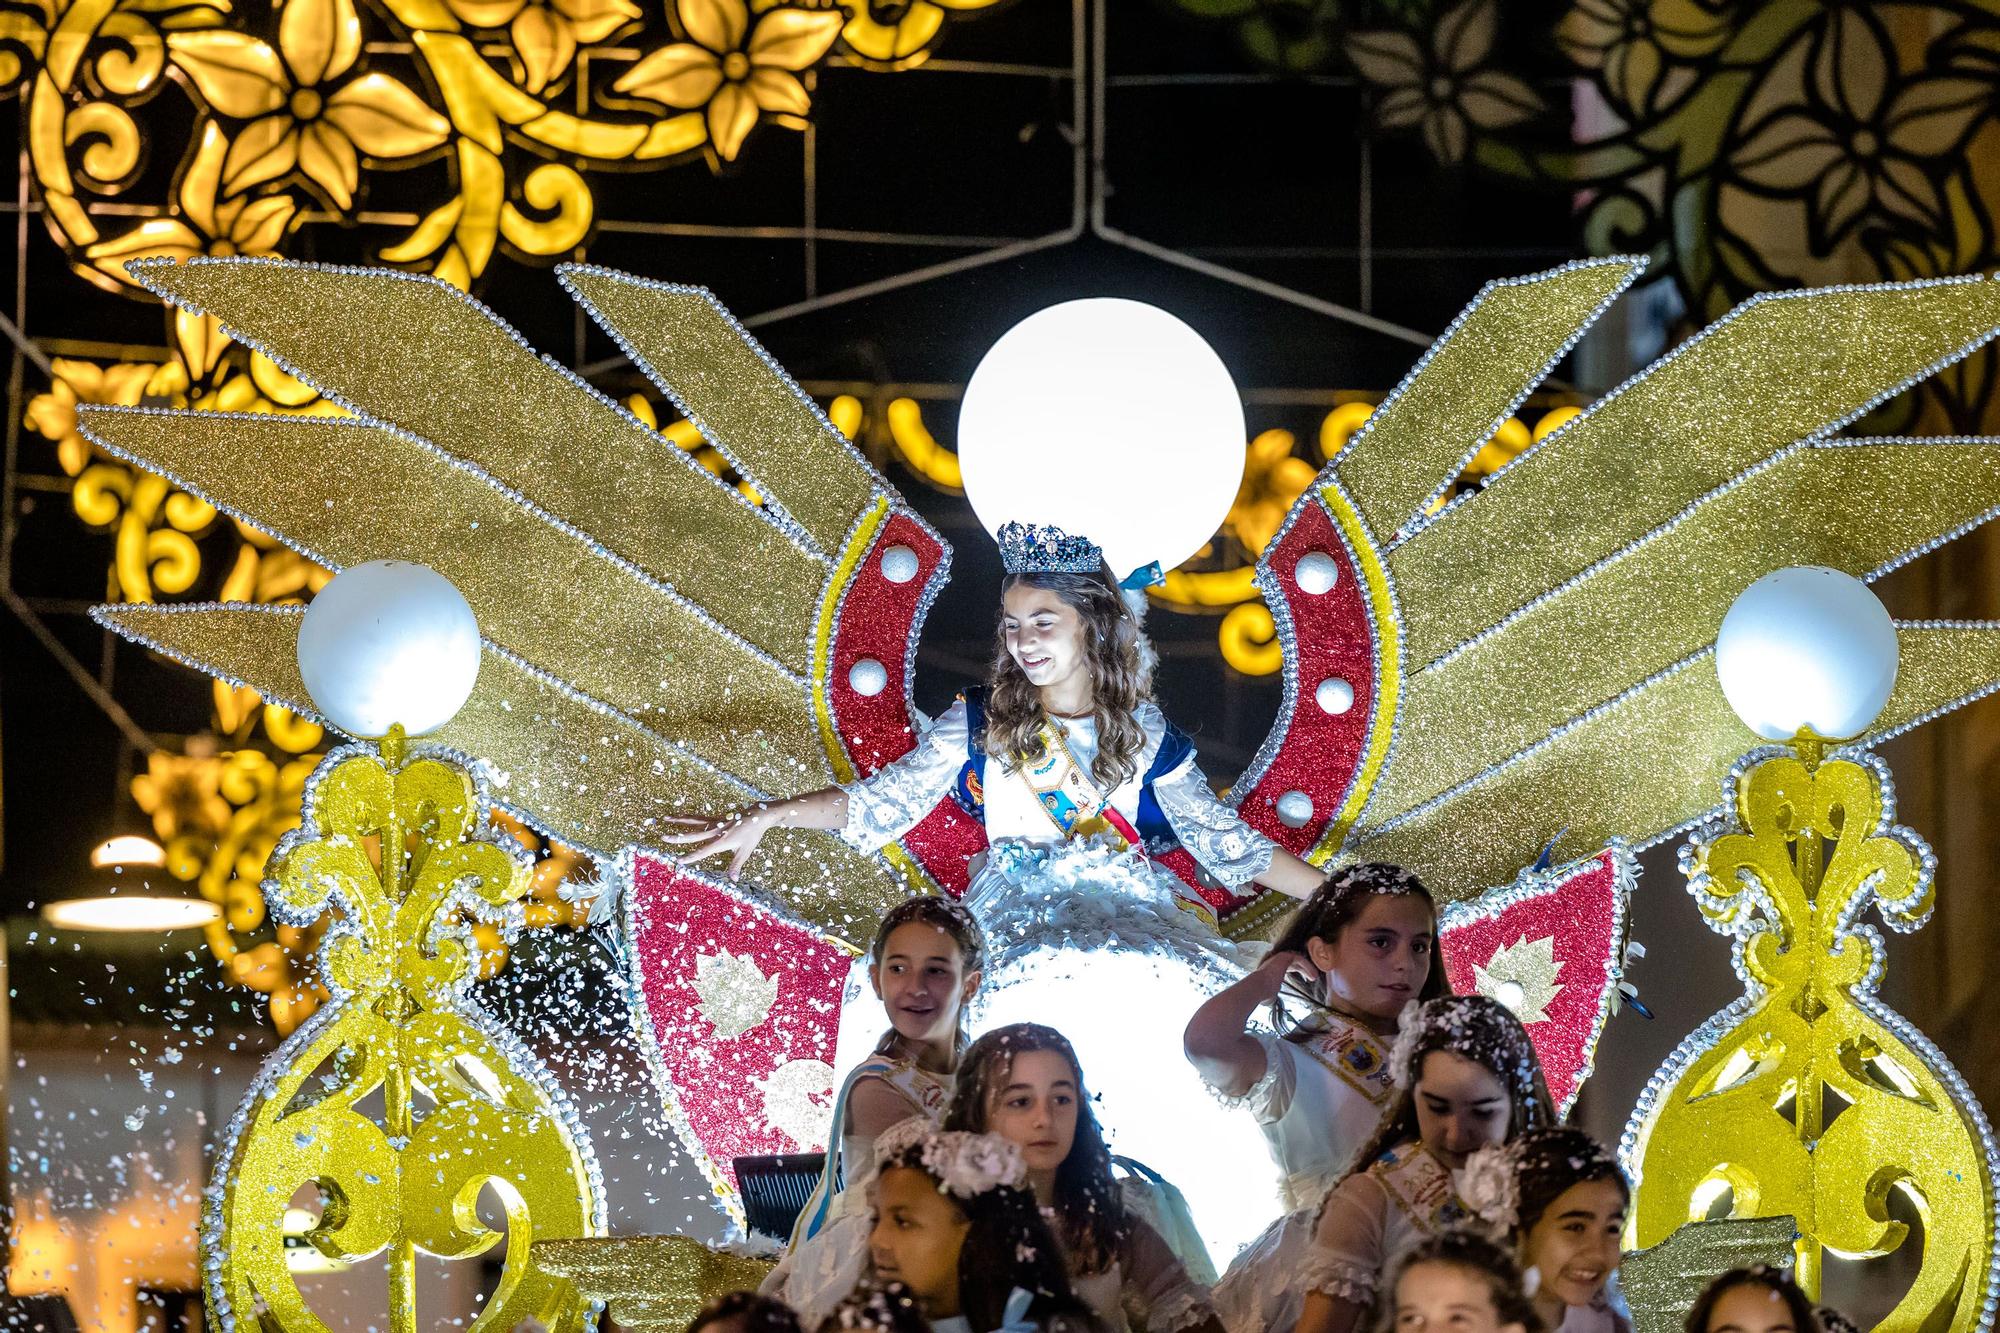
{"x": 209, "y": 224}
{"x": 1645, "y": 49}
{"x": 898, "y": 33}
{"x": 1441, "y": 87}
{"x": 52, "y": 415}
{"x": 736, "y": 68}
{"x": 302, "y": 116}
{"x": 546, "y": 33}
{"x": 183, "y": 793}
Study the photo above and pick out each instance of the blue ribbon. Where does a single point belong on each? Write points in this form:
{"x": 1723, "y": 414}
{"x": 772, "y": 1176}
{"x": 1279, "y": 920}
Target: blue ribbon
{"x": 1145, "y": 576}
{"x": 1014, "y": 1317}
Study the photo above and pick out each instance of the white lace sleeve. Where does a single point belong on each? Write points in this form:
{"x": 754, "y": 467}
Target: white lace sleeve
{"x": 1271, "y": 1095}
{"x": 1346, "y": 1254}
{"x": 1158, "y": 1294}
{"x": 882, "y": 808}
{"x": 1215, "y": 834}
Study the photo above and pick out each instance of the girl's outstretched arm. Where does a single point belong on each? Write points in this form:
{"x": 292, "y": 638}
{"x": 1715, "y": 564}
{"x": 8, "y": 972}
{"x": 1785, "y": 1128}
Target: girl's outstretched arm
{"x": 1291, "y": 875}
{"x": 737, "y": 834}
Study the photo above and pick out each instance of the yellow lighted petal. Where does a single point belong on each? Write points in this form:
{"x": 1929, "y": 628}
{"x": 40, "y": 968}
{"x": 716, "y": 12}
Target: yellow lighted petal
{"x": 203, "y": 179}
{"x": 1492, "y": 99}
{"x": 236, "y": 74}
{"x": 595, "y": 20}
{"x": 327, "y": 157}
{"x": 1790, "y": 151}
{"x": 320, "y": 39}
{"x": 155, "y": 236}
{"x": 384, "y": 118}
{"x": 777, "y": 91}
{"x": 261, "y": 225}
{"x": 794, "y": 38}
{"x": 679, "y": 75}
{"x": 718, "y": 25}
{"x": 545, "y": 42}
{"x": 730, "y": 118}
{"x": 200, "y": 340}
{"x": 487, "y": 13}
{"x": 265, "y": 150}
{"x": 1464, "y": 36}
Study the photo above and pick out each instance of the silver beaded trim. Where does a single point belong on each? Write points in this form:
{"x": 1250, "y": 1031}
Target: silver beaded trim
{"x": 1635, "y": 264}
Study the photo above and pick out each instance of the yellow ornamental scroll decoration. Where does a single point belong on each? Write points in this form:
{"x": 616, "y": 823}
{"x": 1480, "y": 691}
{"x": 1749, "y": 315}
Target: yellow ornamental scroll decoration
{"x": 402, "y": 848}
{"x": 1808, "y": 1095}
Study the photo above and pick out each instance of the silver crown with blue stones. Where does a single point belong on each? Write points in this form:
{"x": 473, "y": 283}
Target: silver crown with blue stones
{"x": 1044, "y": 548}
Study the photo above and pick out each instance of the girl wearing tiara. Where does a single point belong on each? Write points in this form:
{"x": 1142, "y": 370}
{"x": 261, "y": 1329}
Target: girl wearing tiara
{"x": 957, "y": 1227}
{"x": 924, "y": 966}
{"x": 1466, "y": 1076}
{"x": 1460, "y": 1281}
{"x": 1356, "y": 953}
{"x": 1559, "y": 1198}
{"x": 1080, "y": 781}
{"x": 1023, "y": 1083}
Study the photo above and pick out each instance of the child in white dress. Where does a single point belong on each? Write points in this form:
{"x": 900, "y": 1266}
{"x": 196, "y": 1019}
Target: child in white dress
{"x": 1356, "y": 953}
{"x": 925, "y": 965}
{"x": 1558, "y": 1197}
{"x": 1466, "y": 1076}
{"x": 1023, "y": 1083}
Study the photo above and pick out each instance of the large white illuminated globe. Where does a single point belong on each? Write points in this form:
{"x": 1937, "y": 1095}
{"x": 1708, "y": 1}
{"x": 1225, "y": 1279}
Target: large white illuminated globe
{"x": 1111, "y": 419}
{"x": 389, "y": 642}
{"x": 1807, "y": 647}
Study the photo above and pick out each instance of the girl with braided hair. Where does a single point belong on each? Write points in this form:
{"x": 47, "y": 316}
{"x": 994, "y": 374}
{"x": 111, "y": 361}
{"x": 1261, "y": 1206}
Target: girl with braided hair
{"x": 1351, "y": 958}
{"x": 925, "y": 966}
{"x": 1023, "y": 1083}
{"x": 1466, "y": 1076}
{"x": 1559, "y": 1198}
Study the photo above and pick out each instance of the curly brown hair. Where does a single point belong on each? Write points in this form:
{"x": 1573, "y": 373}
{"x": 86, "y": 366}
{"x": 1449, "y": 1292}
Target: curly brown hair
{"x": 1474, "y": 1254}
{"x": 1120, "y": 680}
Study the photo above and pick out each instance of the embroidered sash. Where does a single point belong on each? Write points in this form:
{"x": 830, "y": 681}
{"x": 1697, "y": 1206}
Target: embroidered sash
{"x": 1422, "y": 1189}
{"x": 1355, "y": 1058}
{"x": 1066, "y": 793}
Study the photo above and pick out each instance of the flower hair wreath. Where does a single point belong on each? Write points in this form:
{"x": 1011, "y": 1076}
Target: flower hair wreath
{"x": 964, "y": 1165}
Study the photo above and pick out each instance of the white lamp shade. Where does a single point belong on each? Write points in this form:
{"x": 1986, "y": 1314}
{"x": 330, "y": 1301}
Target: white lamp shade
{"x": 1807, "y": 647}
{"x": 389, "y": 642}
{"x": 1111, "y": 419}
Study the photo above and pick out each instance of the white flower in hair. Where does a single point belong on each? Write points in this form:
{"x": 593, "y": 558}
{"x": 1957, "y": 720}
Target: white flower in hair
{"x": 1489, "y": 1184}
{"x": 1409, "y": 1027}
{"x": 962, "y": 1164}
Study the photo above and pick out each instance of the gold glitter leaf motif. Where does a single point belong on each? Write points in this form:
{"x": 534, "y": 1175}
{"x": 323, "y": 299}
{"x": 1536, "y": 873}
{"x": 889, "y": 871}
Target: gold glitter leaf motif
{"x": 1662, "y": 1283}
{"x": 1808, "y": 1096}
{"x": 401, "y": 848}
{"x": 1522, "y": 976}
{"x": 650, "y": 1284}
{"x": 735, "y": 996}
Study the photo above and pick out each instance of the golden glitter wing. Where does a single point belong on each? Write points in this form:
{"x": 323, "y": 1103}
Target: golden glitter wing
{"x": 1555, "y": 627}
{"x": 649, "y": 629}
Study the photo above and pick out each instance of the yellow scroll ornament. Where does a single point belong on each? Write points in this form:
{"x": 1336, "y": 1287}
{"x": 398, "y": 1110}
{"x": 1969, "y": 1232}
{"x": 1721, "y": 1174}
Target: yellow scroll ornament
{"x": 401, "y": 846}
{"x": 1808, "y": 1095}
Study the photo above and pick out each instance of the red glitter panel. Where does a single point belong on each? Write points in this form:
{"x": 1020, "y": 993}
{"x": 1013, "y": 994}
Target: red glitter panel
{"x": 878, "y": 619}
{"x": 1580, "y": 908}
{"x": 1321, "y": 750}
{"x": 718, "y": 1084}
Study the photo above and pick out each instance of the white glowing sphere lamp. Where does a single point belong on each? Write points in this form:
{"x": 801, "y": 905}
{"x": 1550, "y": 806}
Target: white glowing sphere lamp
{"x": 1111, "y": 419}
{"x": 389, "y": 642}
{"x": 1807, "y": 648}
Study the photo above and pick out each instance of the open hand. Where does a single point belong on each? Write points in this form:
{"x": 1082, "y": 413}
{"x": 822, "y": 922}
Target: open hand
{"x": 735, "y": 835}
